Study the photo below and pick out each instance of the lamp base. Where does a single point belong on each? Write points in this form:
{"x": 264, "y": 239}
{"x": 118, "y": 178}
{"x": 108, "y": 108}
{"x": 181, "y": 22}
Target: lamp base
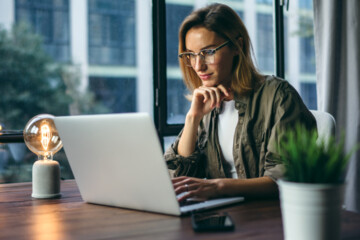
{"x": 34, "y": 195}
{"x": 46, "y": 179}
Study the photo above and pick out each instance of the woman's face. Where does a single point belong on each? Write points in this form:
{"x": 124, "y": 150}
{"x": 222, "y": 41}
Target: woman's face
{"x": 219, "y": 72}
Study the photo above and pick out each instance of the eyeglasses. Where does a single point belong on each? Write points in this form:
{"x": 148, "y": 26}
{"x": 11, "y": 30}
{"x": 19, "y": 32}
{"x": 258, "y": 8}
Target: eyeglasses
{"x": 207, "y": 56}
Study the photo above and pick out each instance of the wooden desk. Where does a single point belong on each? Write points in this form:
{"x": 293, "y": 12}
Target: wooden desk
{"x": 22, "y": 217}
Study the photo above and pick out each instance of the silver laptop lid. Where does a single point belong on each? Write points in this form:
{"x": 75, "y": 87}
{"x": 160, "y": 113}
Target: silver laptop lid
{"x": 117, "y": 160}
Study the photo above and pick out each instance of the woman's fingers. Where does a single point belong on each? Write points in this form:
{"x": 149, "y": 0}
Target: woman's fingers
{"x": 205, "y": 99}
{"x": 201, "y": 94}
{"x": 215, "y": 94}
{"x": 178, "y": 179}
{"x": 202, "y": 191}
{"x": 186, "y": 196}
{"x": 227, "y": 92}
{"x": 212, "y": 93}
{"x": 183, "y": 183}
{"x": 194, "y": 187}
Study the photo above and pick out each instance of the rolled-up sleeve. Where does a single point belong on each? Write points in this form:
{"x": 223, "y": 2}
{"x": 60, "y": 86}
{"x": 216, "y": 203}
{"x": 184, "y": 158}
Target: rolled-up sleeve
{"x": 289, "y": 110}
{"x": 192, "y": 165}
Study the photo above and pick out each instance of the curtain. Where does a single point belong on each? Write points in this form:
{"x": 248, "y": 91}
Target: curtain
{"x": 337, "y": 51}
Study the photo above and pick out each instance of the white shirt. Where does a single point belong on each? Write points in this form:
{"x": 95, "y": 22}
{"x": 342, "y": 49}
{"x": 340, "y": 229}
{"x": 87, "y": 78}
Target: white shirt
{"x": 227, "y": 122}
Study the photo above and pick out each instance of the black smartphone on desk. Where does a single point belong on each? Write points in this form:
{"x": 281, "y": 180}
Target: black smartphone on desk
{"x": 203, "y": 222}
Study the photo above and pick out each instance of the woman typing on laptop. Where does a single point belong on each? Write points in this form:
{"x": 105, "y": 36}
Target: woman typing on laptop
{"x": 228, "y": 144}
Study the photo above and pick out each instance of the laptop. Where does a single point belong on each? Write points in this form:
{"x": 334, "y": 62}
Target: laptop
{"x": 117, "y": 160}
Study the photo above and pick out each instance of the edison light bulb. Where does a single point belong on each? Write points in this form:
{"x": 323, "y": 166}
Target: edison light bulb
{"x": 42, "y": 138}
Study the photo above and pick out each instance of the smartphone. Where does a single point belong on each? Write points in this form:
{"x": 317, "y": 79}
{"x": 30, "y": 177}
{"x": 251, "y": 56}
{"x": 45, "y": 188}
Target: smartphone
{"x": 202, "y": 222}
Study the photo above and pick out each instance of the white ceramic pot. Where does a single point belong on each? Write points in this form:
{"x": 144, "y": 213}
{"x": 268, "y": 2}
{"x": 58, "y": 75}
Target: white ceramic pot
{"x": 311, "y": 211}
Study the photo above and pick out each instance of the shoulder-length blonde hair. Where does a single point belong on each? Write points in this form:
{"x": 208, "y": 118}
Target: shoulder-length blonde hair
{"x": 225, "y": 22}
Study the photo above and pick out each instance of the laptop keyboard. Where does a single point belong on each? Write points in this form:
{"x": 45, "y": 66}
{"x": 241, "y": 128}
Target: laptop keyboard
{"x": 188, "y": 203}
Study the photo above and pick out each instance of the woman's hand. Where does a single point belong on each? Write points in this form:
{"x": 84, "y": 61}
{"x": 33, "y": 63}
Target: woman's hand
{"x": 196, "y": 187}
{"x": 260, "y": 187}
{"x": 206, "y": 99}
{"x": 203, "y": 101}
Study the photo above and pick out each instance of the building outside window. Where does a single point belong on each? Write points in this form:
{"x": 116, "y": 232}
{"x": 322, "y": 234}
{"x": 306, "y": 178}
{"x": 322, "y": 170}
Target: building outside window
{"x": 308, "y": 94}
{"x": 105, "y": 48}
{"x": 117, "y": 94}
{"x": 112, "y": 32}
{"x": 307, "y": 52}
{"x": 266, "y": 2}
{"x": 306, "y": 4}
{"x": 112, "y": 45}
{"x": 300, "y": 51}
{"x": 265, "y": 42}
{"x": 49, "y": 19}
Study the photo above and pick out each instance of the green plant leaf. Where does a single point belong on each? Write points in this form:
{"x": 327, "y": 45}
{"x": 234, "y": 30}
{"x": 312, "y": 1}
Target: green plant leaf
{"x": 309, "y": 161}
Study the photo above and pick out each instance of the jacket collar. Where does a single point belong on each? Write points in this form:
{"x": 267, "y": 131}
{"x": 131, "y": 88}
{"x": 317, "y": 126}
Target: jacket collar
{"x": 241, "y": 103}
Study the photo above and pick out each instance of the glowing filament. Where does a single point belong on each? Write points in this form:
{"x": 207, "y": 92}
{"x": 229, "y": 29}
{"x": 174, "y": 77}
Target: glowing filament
{"x": 45, "y": 136}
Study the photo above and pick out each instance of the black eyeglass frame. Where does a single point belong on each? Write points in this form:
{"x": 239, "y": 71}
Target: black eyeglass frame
{"x": 210, "y": 52}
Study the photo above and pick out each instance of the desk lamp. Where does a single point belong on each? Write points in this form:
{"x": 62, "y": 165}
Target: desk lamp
{"x": 42, "y": 138}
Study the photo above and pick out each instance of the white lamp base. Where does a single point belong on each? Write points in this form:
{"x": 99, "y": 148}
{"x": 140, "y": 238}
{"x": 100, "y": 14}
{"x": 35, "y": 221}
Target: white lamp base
{"x": 46, "y": 179}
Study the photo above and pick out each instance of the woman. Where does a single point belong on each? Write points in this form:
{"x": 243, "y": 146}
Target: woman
{"x": 237, "y": 116}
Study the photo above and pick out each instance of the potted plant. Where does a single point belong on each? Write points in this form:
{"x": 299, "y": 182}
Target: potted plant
{"x": 312, "y": 189}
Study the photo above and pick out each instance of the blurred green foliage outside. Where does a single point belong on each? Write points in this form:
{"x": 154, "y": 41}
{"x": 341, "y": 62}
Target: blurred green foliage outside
{"x": 32, "y": 83}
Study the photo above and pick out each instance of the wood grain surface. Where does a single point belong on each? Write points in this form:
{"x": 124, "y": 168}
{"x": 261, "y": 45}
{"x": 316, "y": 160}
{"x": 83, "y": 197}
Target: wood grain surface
{"x": 23, "y": 217}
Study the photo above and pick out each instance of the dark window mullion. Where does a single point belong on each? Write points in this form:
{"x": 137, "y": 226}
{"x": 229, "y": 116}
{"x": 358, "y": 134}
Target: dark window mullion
{"x": 159, "y": 64}
{"x": 160, "y": 75}
{"x": 279, "y": 39}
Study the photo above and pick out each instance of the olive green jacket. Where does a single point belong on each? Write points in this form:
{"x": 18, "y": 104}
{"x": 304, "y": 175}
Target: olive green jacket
{"x": 264, "y": 116}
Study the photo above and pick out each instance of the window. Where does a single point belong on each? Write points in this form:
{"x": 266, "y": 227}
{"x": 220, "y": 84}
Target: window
{"x": 49, "y": 19}
{"x": 108, "y": 69}
{"x": 265, "y": 46}
{"x": 306, "y": 4}
{"x": 307, "y": 51}
{"x": 266, "y": 2}
{"x": 177, "y": 105}
{"x": 300, "y": 52}
{"x": 112, "y": 32}
{"x": 175, "y": 14}
{"x": 308, "y": 94}
{"x": 117, "y": 94}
